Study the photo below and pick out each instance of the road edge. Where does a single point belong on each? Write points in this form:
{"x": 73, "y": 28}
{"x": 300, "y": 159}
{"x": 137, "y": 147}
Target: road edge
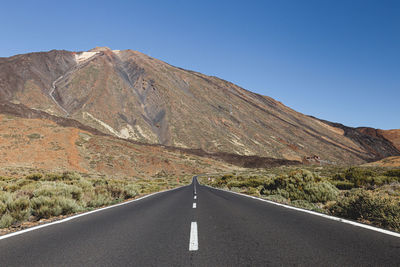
{"x": 330, "y": 217}
{"x": 84, "y": 214}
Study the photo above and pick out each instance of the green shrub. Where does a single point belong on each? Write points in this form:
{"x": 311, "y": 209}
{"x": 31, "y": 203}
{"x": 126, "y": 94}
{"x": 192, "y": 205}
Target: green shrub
{"x": 364, "y": 205}
{"x": 45, "y": 207}
{"x": 321, "y": 192}
{"x": 226, "y": 177}
{"x": 253, "y": 182}
{"x": 65, "y": 176}
{"x": 278, "y": 198}
{"x": 3, "y": 208}
{"x": 11, "y": 187}
{"x": 302, "y": 185}
{"x": 381, "y": 180}
{"x": 68, "y": 205}
{"x": 101, "y": 196}
{"x": 360, "y": 177}
{"x": 253, "y": 191}
{"x": 84, "y": 184}
{"x": 250, "y": 182}
{"x": 58, "y": 189}
{"x": 52, "y": 177}
{"x": 392, "y": 189}
{"x": 99, "y": 200}
{"x": 22, "y": 182}
{"x": 6, "y": 220}
{"x": 393, "y": 173}
{"x": 35, "y": 176}
{"x": 44, "y": 196}
{"x": 5, "y": 196}
{"x": 130, "y": 191}
{"x": 302, "y": 176}
{"x": 236, "y": 189}
{"x": 115, "y": 191}
{"x": 343, "y": 185}
{"x": 70, "y": 176}
{"x": 304, "y": 204}
{"x": 19, "y": 208}
{"x": 34, "y": 136}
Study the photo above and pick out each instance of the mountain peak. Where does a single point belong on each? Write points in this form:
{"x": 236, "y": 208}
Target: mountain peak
{"x": 131, "y": 95}
{"x": 100, "y": 49}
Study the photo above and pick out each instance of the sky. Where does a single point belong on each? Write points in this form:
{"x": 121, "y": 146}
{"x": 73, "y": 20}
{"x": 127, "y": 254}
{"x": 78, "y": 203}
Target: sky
{"x": 337, "y": 60}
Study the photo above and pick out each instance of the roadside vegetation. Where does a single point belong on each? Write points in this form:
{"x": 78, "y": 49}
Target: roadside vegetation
{"x": 368, "y": 195}
{"x": 44, "y": 196}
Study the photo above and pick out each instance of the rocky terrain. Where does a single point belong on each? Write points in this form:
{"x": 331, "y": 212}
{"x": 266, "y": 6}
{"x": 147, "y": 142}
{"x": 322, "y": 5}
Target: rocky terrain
{"x": 132, "y": 96}
{"x": 393, "y": 136}
{"x": 31, "y": 145}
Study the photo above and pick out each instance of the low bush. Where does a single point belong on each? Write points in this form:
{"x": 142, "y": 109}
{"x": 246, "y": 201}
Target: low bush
{"x": 393, "y": 173}
{"x": 45, "y": 207}
{"x": 304, "y": 204}
{"x": 35, "y": 176}
{"x": 19, "y": 208}
{"x": 363, "y": 205}
{"x": 253, "y": 191}
{"x": 252, "y": 182}
{"x": 6, "y": 220}
{"x": 392, "y": 189}
{"x": 343, "y": 185}
{"x": 302, "y": 185}
{"x": 130, "y": 191}
{"x": 58, "y": 189}
{"x": 100, "y": 198}
{"x": 278, "y": 198}
{"x": 356, "y": 177}
{"x": 40, "y": 196}
{"x": 320, "y": 192}
{"x": 3, "y": 208}
{"x": 370, "y": 195}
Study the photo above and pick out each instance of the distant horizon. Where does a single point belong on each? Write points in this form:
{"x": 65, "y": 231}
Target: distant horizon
{"x": 337, "y": 61}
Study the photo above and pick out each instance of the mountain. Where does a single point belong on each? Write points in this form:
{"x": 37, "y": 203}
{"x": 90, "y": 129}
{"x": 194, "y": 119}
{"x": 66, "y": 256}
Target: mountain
{"x": 393, "y": 136}
{"x": 34, "y": 141}
{"x": 133, "y": 96}
{"x": 40, "y": 143}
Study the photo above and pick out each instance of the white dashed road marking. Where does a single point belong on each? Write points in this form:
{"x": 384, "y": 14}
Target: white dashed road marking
{"x": 193, "y": 243}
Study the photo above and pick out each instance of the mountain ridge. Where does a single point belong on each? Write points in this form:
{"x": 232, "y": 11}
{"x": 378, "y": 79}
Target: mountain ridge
{"x": 130, "y": 95}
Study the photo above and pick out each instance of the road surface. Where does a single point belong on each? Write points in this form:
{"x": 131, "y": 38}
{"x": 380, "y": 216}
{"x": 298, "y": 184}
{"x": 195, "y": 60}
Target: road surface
{"x": 220, "y": 229}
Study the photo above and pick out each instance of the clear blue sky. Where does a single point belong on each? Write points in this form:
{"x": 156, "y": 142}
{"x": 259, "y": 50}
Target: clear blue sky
{"x": 338, "y": 60}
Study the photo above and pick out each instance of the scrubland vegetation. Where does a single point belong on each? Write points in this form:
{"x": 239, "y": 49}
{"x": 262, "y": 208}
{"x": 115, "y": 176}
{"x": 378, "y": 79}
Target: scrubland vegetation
{"x": 368, "y": 195}
{"x": 39, "y": 196}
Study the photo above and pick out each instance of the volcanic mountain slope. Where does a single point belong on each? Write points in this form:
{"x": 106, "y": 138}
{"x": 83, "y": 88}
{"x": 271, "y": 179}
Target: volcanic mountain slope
{"x": 131, "y": 95}
{"x": 36, "y": 144}
{"x": 393, "y": 136}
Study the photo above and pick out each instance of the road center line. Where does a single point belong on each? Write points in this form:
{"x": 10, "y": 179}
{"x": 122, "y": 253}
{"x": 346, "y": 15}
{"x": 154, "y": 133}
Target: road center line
{"x": 193, "y": 243}
{"x": 194, "y": 205}
{"x": 195, "y": 197}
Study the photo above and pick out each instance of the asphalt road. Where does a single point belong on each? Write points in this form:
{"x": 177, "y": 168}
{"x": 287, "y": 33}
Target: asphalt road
{"x": 232, "y": 230}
